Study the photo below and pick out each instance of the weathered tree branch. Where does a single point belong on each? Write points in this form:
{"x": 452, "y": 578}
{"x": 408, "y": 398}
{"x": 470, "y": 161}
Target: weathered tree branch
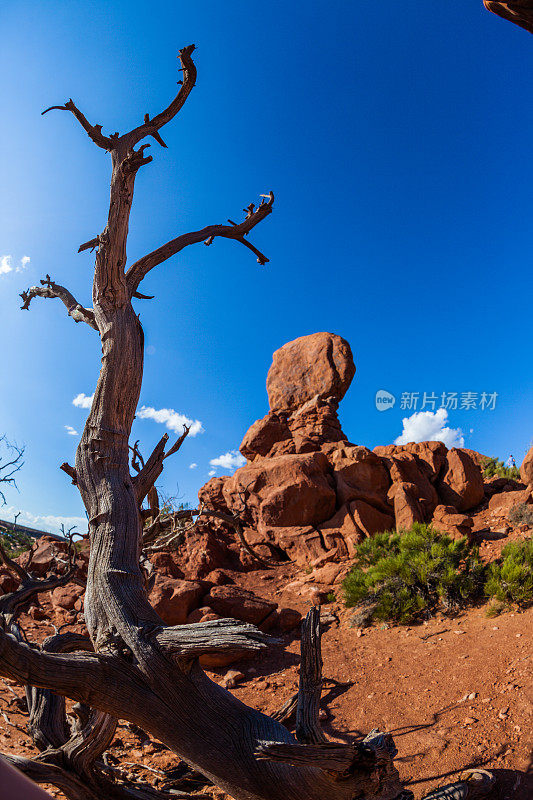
{"x": 149, "y": 471}
{"x": 101, "y": 681}
{"x": 12, "y": 603}
{"x": 70, "y": 471}
{"x": 11, "y": 564}
{"x": 308, "y": 729}
{"x": 330, "y": 756}
{"x": 10, "y": 467}
{"x": 221, "y": 635}
{"x": 150, "y": 127}
{"x": 94, "y": 131}
{"x": 518, "y": 11}
{"x": 50, "y": 289}
{"x": 142, "y": 267}
{"x": 42, "y": 772}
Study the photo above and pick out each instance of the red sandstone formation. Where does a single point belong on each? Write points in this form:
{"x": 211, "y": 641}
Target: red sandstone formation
{"x": 307, "y": 492}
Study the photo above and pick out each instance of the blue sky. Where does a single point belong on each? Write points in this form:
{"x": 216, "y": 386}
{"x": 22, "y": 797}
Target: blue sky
{"x": 398, "y": 145}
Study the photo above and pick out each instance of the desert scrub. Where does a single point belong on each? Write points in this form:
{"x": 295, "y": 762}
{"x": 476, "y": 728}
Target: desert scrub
{"x": 510, "y": 579}
{"x": 521, "y": 514}
{"x": 493, "y": 467}
{"x": 15, "y": 543}
{"x": 408, "y": 575}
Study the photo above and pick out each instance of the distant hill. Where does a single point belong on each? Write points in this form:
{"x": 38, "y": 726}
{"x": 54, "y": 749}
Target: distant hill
{"x": 35, "y": 533}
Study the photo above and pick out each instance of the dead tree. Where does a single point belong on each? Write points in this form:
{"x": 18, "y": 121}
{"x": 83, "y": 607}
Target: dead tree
{"x": 9, "y": 465}
{"x": 138, "y": 668}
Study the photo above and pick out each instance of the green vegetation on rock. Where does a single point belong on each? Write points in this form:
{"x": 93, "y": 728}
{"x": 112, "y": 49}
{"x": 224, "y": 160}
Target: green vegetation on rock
{"x": 493, "y": 467}
{"x": 15, "y": 543}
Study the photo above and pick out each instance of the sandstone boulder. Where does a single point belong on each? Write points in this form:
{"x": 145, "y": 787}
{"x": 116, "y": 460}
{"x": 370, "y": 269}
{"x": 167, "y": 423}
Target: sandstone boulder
{"x": 288, "y": 619}
{"x": 218, "y": 577}
{"x": 211, "y": 495}
{"x": 359, "y": 474}
{"x": 462, "y": 483}
{"x": 500, "y": 504}
{"x": 64, "y": 597}
{"x": 447, "y": 520}
{"x": 526, "y": 470}
{"x": 8, "y": 582}
{"x": 405, "y": 467}
{"x": 320, "y": 365}
{"x": 264, "y": 434}
{"x": 353, "y": 522}
{"x": 49, "y": 554}
{"x": 302, "y": 544}
{"x": 429, "y": 456}
{"x": 239, "y": 603}
{"x": 478, "y": 458}
{"x": 205, "y": 548}
{"x": 495, "y": 485}
{"x": 174, "y": 599}
{"x": 314, "y": 423}
{"x": 202, "y": 614}
{"x": 165, "y": 563}
{"x": 284, "y": 491}
{"x": 408, "y": 508}
{"x": 338, "y": 531}
{"x": 370, "y": 520}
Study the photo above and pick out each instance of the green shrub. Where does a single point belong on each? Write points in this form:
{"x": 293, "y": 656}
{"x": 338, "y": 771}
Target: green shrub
{"x": 520, "y": 514}
{"x": 406, "y": 576}
{"x": 510, "y": 579}
{"x": 492, "y": 467}
{"x": 15, "y": 543}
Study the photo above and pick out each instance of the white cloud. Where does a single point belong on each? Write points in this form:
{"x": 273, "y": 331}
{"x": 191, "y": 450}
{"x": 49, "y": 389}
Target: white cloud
{"x": 48, "y": 522}
{"x": 193, "y": 465}
{"x": 172, "y": 419}
{"x": 230, "y": 460}
{"x": 24, "y": 261}
{"x": 212, "y": 472}
{"x": 71, "y": 431}
{"x": 5, "y": 265}
{"x": 430, "y": 426}
{"x": 83, "y": 400}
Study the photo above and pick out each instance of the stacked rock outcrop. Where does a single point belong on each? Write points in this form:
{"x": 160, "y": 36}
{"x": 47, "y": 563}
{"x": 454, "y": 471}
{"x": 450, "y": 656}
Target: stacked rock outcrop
{"x": 306, "y": 491}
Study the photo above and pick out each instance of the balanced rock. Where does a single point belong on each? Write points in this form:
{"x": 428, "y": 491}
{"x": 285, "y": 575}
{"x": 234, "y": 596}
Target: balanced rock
{"x": 316, "y": 366}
